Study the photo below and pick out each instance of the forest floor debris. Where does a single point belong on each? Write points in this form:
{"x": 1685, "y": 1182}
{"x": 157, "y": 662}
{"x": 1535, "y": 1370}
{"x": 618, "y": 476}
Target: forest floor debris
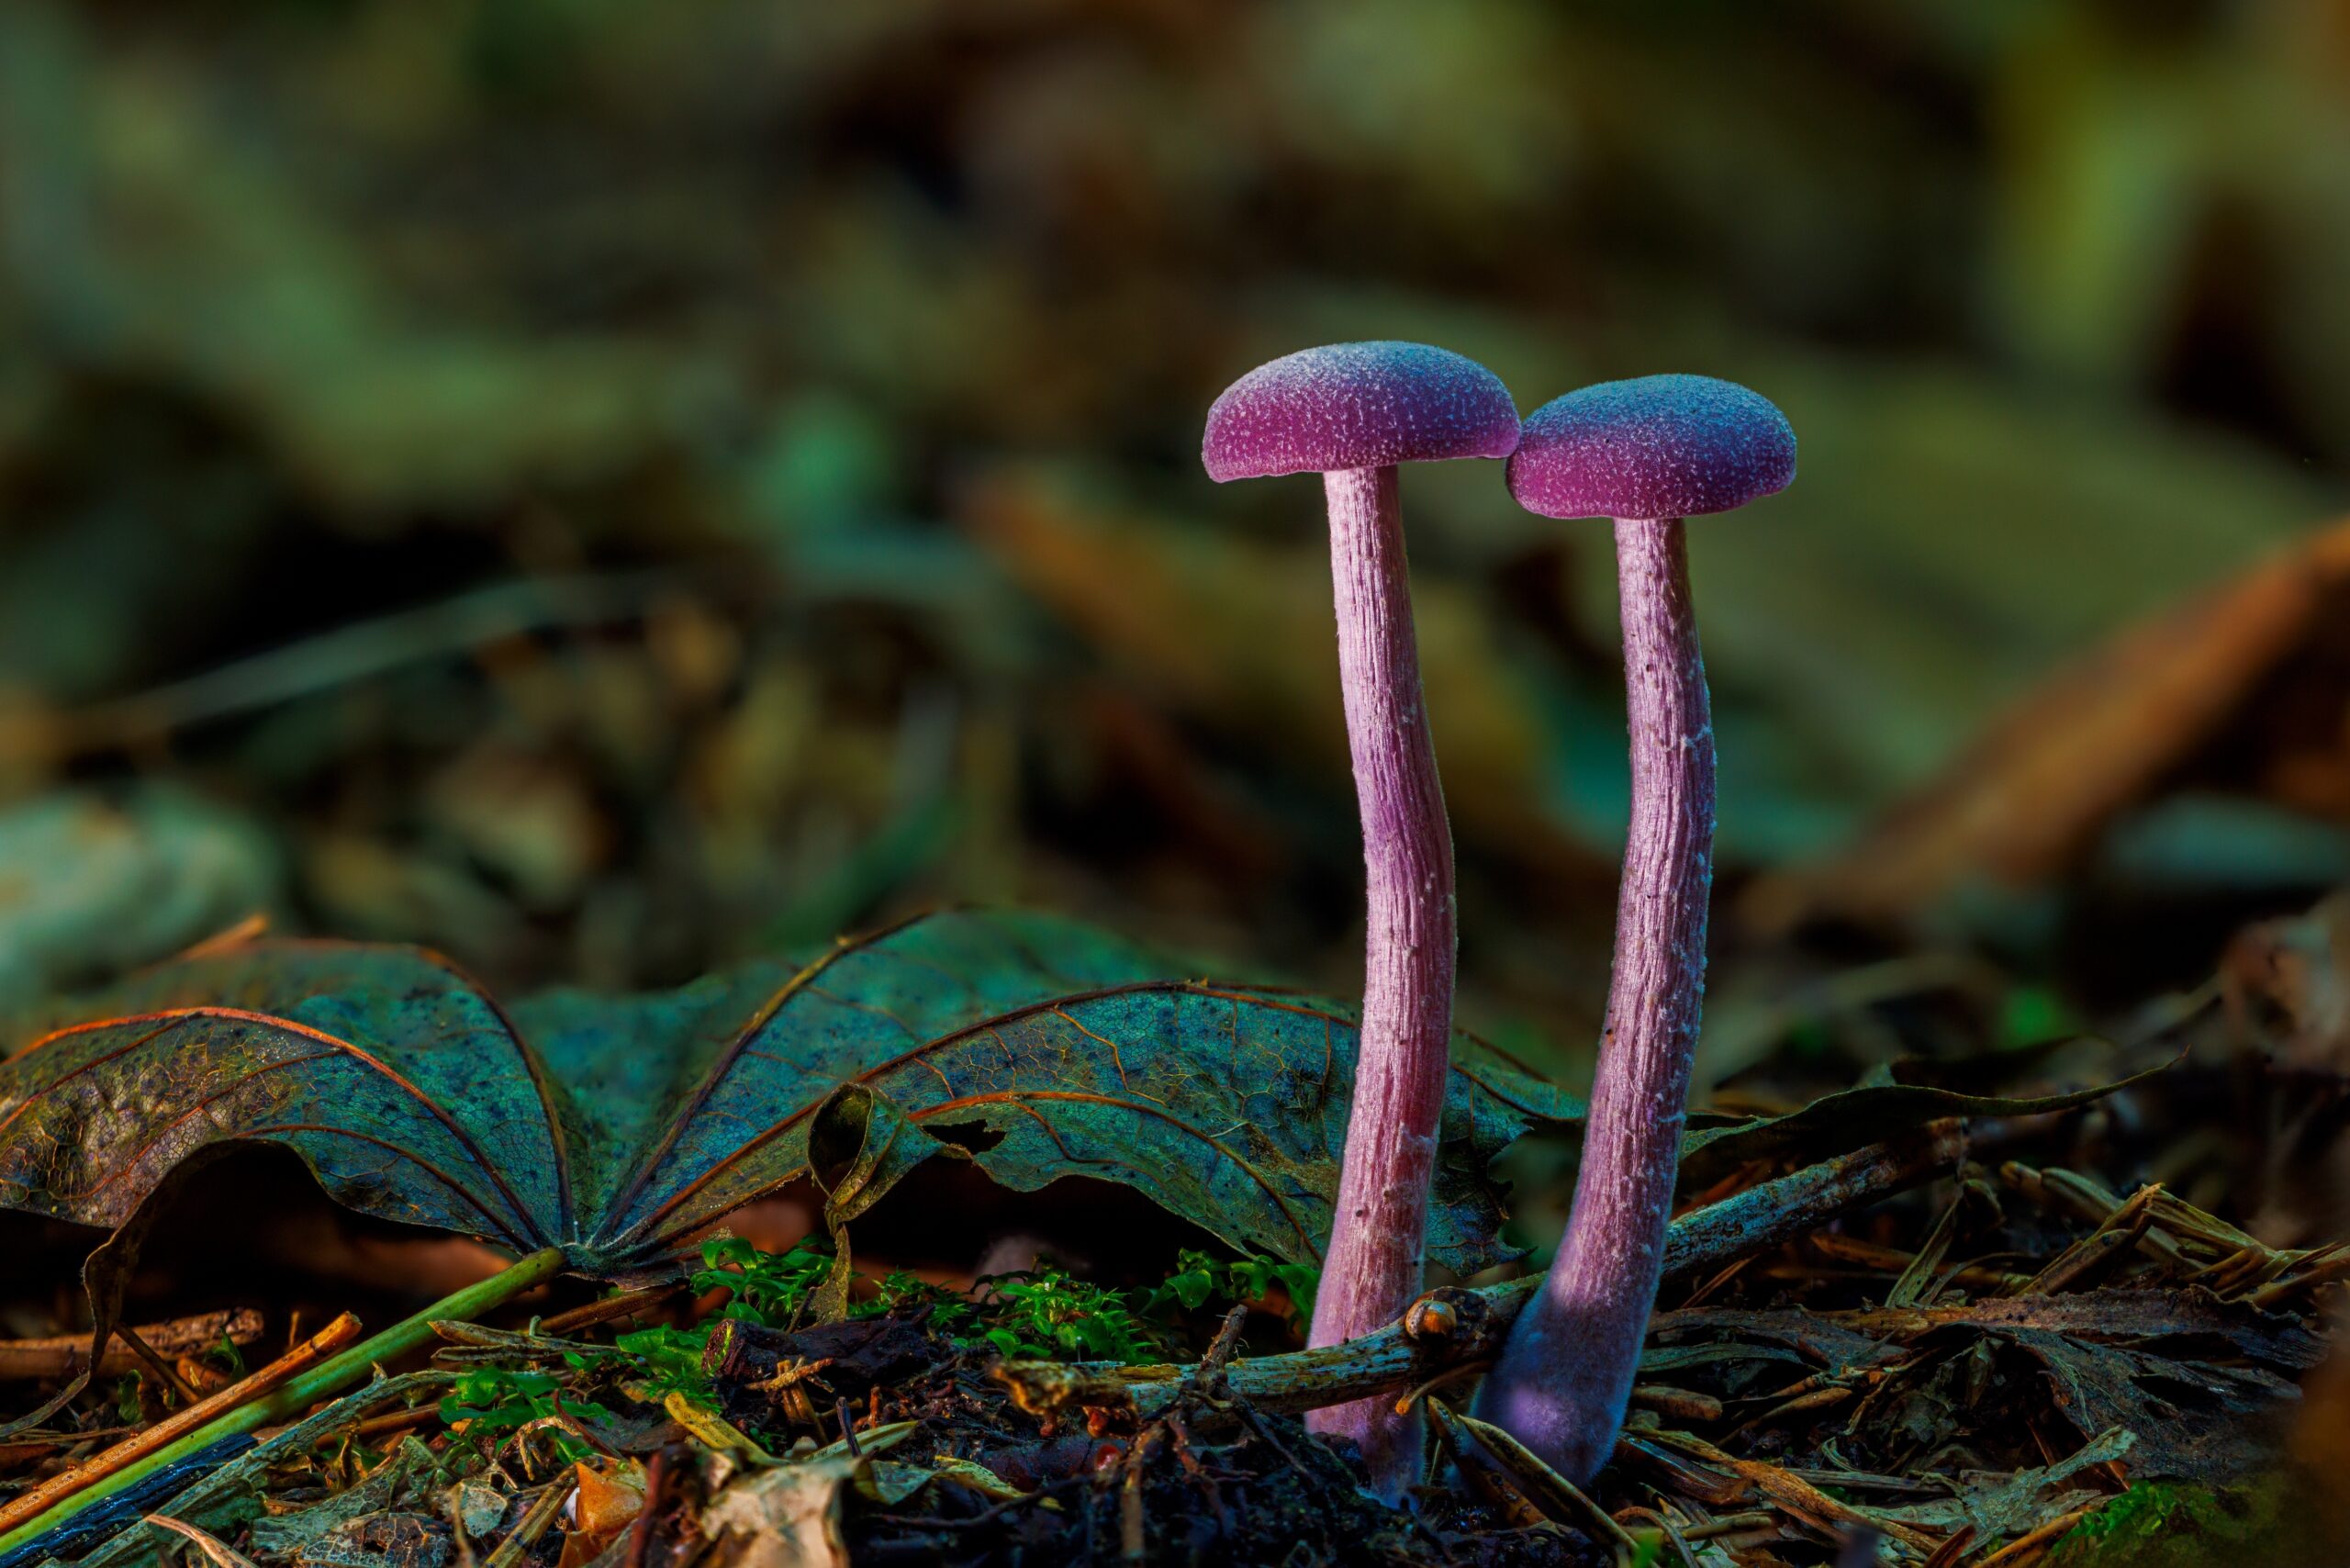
{"x": 2009, "y": 1367}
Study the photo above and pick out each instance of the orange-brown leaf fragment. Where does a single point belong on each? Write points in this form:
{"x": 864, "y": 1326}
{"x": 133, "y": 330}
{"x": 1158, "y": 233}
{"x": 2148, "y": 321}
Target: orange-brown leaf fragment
{"x": 608, "y": 1505}
{"x": 2024, "y": 799}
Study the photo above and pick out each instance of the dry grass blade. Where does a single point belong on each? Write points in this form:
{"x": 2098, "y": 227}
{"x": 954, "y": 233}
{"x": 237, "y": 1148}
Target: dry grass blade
{"x": 367, "y": 649}
{"x": 1797, "y": 1496}
{"x": 2179, "y": 1240}
{"x": 1487, "y": 1478}
{"x": 2031, "y": 1547}
{"x": 1556, "y": 1495}
{"x": 1916, "y": 1285}
{"x": 526, "y": 1533}
{"x": 1729, "y": 1524}
{"x": 1838, "y": 1247}
{"x": 2098, "y": 1253}
{"x": 222, "y": 1555}
{"x": 164, "y": 1371}
{"x": 2320, "y": 1265}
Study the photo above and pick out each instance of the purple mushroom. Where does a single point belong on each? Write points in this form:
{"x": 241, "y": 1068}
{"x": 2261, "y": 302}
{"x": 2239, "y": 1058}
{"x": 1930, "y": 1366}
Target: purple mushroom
{"x": 1646, "y": 453}
{"x": 1351, "y": 412}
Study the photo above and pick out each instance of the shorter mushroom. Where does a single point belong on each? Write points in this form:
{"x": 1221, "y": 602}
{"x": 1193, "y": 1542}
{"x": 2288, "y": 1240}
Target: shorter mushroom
{"x": 1646, "y": 453}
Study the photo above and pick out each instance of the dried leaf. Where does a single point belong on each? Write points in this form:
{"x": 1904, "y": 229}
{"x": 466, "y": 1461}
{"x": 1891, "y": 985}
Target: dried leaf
{"x": 286, "y": 1536}
{"x": 1892, "y": 1098}
{"x": 218, "y": 1552}
{"x": 2194, "y": 1420}
{"x": 608, "y": 1505}
{"x": 394, "y": 1539}
{"x": 2023, "y": 799}
{"x": 977, "y": 1477}
{"x": 888, "y": 1483}
{"x": 788, "y": 1517}
{"x": 2000, "y": 1504}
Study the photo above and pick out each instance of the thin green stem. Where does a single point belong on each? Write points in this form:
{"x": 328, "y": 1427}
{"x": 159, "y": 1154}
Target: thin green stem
{"x": 332, "y": 1377}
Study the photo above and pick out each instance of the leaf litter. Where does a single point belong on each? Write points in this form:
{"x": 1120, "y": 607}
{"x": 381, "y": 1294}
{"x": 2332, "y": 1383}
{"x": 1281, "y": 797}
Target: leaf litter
{"x": 1945, "y": 1371}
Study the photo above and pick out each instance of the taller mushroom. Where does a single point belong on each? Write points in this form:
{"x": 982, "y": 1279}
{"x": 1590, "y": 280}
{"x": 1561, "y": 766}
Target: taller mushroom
{"x": 1646, "y": 453}
{"x": 1351, "y": 412}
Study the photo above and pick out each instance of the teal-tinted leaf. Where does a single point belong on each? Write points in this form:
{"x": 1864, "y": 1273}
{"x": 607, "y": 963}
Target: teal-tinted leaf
{"x": 387, "y": 1070}
{"x": 613, "y": 1127}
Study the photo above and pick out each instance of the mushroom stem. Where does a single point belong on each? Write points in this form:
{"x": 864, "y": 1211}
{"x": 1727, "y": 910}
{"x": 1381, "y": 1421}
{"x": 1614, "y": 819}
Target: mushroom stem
{"x": 1379, "y": 1233}
{"x": 1563, "y": 1377}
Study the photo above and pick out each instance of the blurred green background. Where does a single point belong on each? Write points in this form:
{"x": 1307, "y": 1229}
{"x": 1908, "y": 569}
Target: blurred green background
{"x": 603, "y": 488}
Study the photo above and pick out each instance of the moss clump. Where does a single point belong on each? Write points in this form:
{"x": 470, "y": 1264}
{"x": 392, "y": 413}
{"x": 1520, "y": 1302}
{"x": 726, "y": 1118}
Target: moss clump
{"x": 2156, "y": 1524}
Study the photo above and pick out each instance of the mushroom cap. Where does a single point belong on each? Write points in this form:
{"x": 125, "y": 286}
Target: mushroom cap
{"x": 1657, "y": 446}
{"x": 1358, "y": 406}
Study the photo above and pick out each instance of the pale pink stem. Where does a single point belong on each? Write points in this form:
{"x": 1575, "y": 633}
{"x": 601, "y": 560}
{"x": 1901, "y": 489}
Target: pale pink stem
{"x": 1379, "y": 1233}
{"x": 1566, "y": 1370}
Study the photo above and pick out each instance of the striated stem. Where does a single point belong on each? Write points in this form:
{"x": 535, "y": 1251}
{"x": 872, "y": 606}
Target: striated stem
{"x": 1563, "y": 1377}
{"x": 1379, "y": 1233}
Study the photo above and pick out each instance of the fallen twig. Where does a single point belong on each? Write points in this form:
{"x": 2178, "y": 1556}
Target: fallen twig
{"x": 32, "y": 1445}
{"x": 63, "y": 1355}
{"x": 164, "y": 1372}
{"x": 611, "y": 1307}
{"x": 163, "y": 1434}
{"x": 1682, "y": 1405}
{"x": 1798, "y": 1498}
{"x": 1450, "y": 1326}
{"x": 366, "y": 649}
{"x": 376, "y": 1427}
{"x": 526, "y": 1533}
{"x": 212, "y": 1546}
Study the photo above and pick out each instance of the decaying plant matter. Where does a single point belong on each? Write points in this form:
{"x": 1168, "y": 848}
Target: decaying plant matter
{"x": 933, "y": 1424}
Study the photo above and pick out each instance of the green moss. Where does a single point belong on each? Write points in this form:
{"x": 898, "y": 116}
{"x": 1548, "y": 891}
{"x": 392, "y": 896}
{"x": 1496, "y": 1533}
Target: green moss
{"x": 2162, "y": 1526}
